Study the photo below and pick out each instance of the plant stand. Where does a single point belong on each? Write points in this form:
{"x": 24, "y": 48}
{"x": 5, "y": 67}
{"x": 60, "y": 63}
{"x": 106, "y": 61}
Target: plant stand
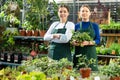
{"x": 111, "y": 38}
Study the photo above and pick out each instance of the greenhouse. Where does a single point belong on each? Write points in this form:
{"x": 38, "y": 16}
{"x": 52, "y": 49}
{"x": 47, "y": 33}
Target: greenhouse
{"x": 59, "y": 39}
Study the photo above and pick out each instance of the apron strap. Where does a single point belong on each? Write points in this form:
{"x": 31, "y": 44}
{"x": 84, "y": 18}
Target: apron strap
{"x": 58, "y": 24}
{"x": 65, "y": 24}
{"x": 81, "y": 25}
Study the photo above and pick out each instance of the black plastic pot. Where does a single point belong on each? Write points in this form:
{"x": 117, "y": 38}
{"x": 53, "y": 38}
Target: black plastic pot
{"x": 20, "y": 56}
{"x": 11, "y": 57}
{"x": 5, "y": 56}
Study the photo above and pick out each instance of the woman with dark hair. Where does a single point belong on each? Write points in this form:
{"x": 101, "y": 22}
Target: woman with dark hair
{"x": 59, "y": 35}
{"x": 85, "y": 25}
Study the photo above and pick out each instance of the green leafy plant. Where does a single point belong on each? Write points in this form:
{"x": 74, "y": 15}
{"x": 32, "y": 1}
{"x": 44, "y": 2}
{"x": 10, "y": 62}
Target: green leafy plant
{"x": 9, "y": 16}
{"x": 34, "y": 75}
{"x": 43, "y": 47}
{"x": 64, "y": 63}
{"x": 113, "y": 69}
{"x": 46, "y": 65}
{"x": 116, "y": 48}
{"x": 37, "y": 13}
{"x": 12, "y": 20}
{"x": 8, "y": 37}
{"x": 84, "y": 62}
{"x": 2, "y": 15}
{"x": 27, "y": 25}
{"x": 80, "y": 37}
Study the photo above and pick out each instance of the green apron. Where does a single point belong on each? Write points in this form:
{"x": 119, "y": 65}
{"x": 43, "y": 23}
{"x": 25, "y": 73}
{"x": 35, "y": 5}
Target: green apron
{"x": 89, "y": 51}
{"x": 58, "y": 51}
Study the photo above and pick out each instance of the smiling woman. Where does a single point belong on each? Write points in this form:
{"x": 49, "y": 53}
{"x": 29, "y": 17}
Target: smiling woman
{"x": 59, "y": 35}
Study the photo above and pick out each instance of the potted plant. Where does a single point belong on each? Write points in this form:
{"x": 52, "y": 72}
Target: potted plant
{"x": 65, "y": 63}
{"x": 112, "y": 70}
{"x": 27, "y": 29}
{"x": 9, "y": 43}
{"x": 80, "y": 37}
{"x": 37, "y": 14}
{"x": 84, "y": 65}
{"x": 43, "y": 48}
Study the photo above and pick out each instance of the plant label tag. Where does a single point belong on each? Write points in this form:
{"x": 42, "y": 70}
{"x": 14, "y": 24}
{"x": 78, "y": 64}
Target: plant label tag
{"x": 72, "y": 78}
{"x": 97, "y": 78}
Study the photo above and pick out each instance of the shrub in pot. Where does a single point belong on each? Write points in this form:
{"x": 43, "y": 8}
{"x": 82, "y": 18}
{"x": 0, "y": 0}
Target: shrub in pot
{"x": 84, "y": 65}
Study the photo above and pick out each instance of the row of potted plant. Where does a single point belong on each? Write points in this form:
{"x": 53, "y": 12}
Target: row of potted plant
{"x": 114, "y": 50}
{"x": 45, "y": 68}
{"x": 113, "y": 27}
{"x": 19, "y": 53}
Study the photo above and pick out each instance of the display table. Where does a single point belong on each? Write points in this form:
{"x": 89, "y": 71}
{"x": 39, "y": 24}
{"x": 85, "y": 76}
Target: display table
{"x": 34, "y": 38}
{"x": 9, "y": 64}
{"x": 106, "y": 58}
{"x": 111, "y": 38}
{"x": 27, "y": 40}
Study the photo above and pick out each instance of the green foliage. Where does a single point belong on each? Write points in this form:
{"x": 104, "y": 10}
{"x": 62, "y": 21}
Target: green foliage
{"x": 116, "y": 47}
{"x": 27, "y": 25}
{"x": 113, "y": 69}
{"x": 2, "y": 14}
{"x": 43, "y": 47}
{"x": 64, "y": 63}
{"x": 9, "y": 41}
{"x": 46, "y": 65}
{"x": 37, "y": 13}
{"x": 112, "y": 25}
{"x": 12, "y": 20}
{"x": 84, "y": 62}
{"x": 9, "y": 73}
{"x": 103, "y": 50}
{"x": 32, "y": 76}
{"x": 9, "y": 16}
{"x": 80, "y": 37}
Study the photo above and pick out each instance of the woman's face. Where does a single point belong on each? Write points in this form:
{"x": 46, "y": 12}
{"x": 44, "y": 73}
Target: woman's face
{"x": 63, "y": 13}
{"x": 85, "y": 13}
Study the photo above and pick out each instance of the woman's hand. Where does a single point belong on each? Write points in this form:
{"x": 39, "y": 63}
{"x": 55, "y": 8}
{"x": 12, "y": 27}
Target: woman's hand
{"x": 75, "y": 43}
{"x": 85, "y": 43}
{"x": 57, "y": 36}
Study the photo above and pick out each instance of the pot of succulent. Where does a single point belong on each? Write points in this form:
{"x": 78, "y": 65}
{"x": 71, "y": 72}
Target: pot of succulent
{"x": 84, "y": 65}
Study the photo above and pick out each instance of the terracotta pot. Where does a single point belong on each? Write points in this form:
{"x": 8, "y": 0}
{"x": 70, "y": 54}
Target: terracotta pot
{"x": 22, "y": 32}
{"x": 35, "y": 33}
{"x": 85, "y": 72}
{"x": 43, "y": 52}
{"x": 42, "y": 32}
{"x": 28, "y": 32}
{"x": 115, "y": 78}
